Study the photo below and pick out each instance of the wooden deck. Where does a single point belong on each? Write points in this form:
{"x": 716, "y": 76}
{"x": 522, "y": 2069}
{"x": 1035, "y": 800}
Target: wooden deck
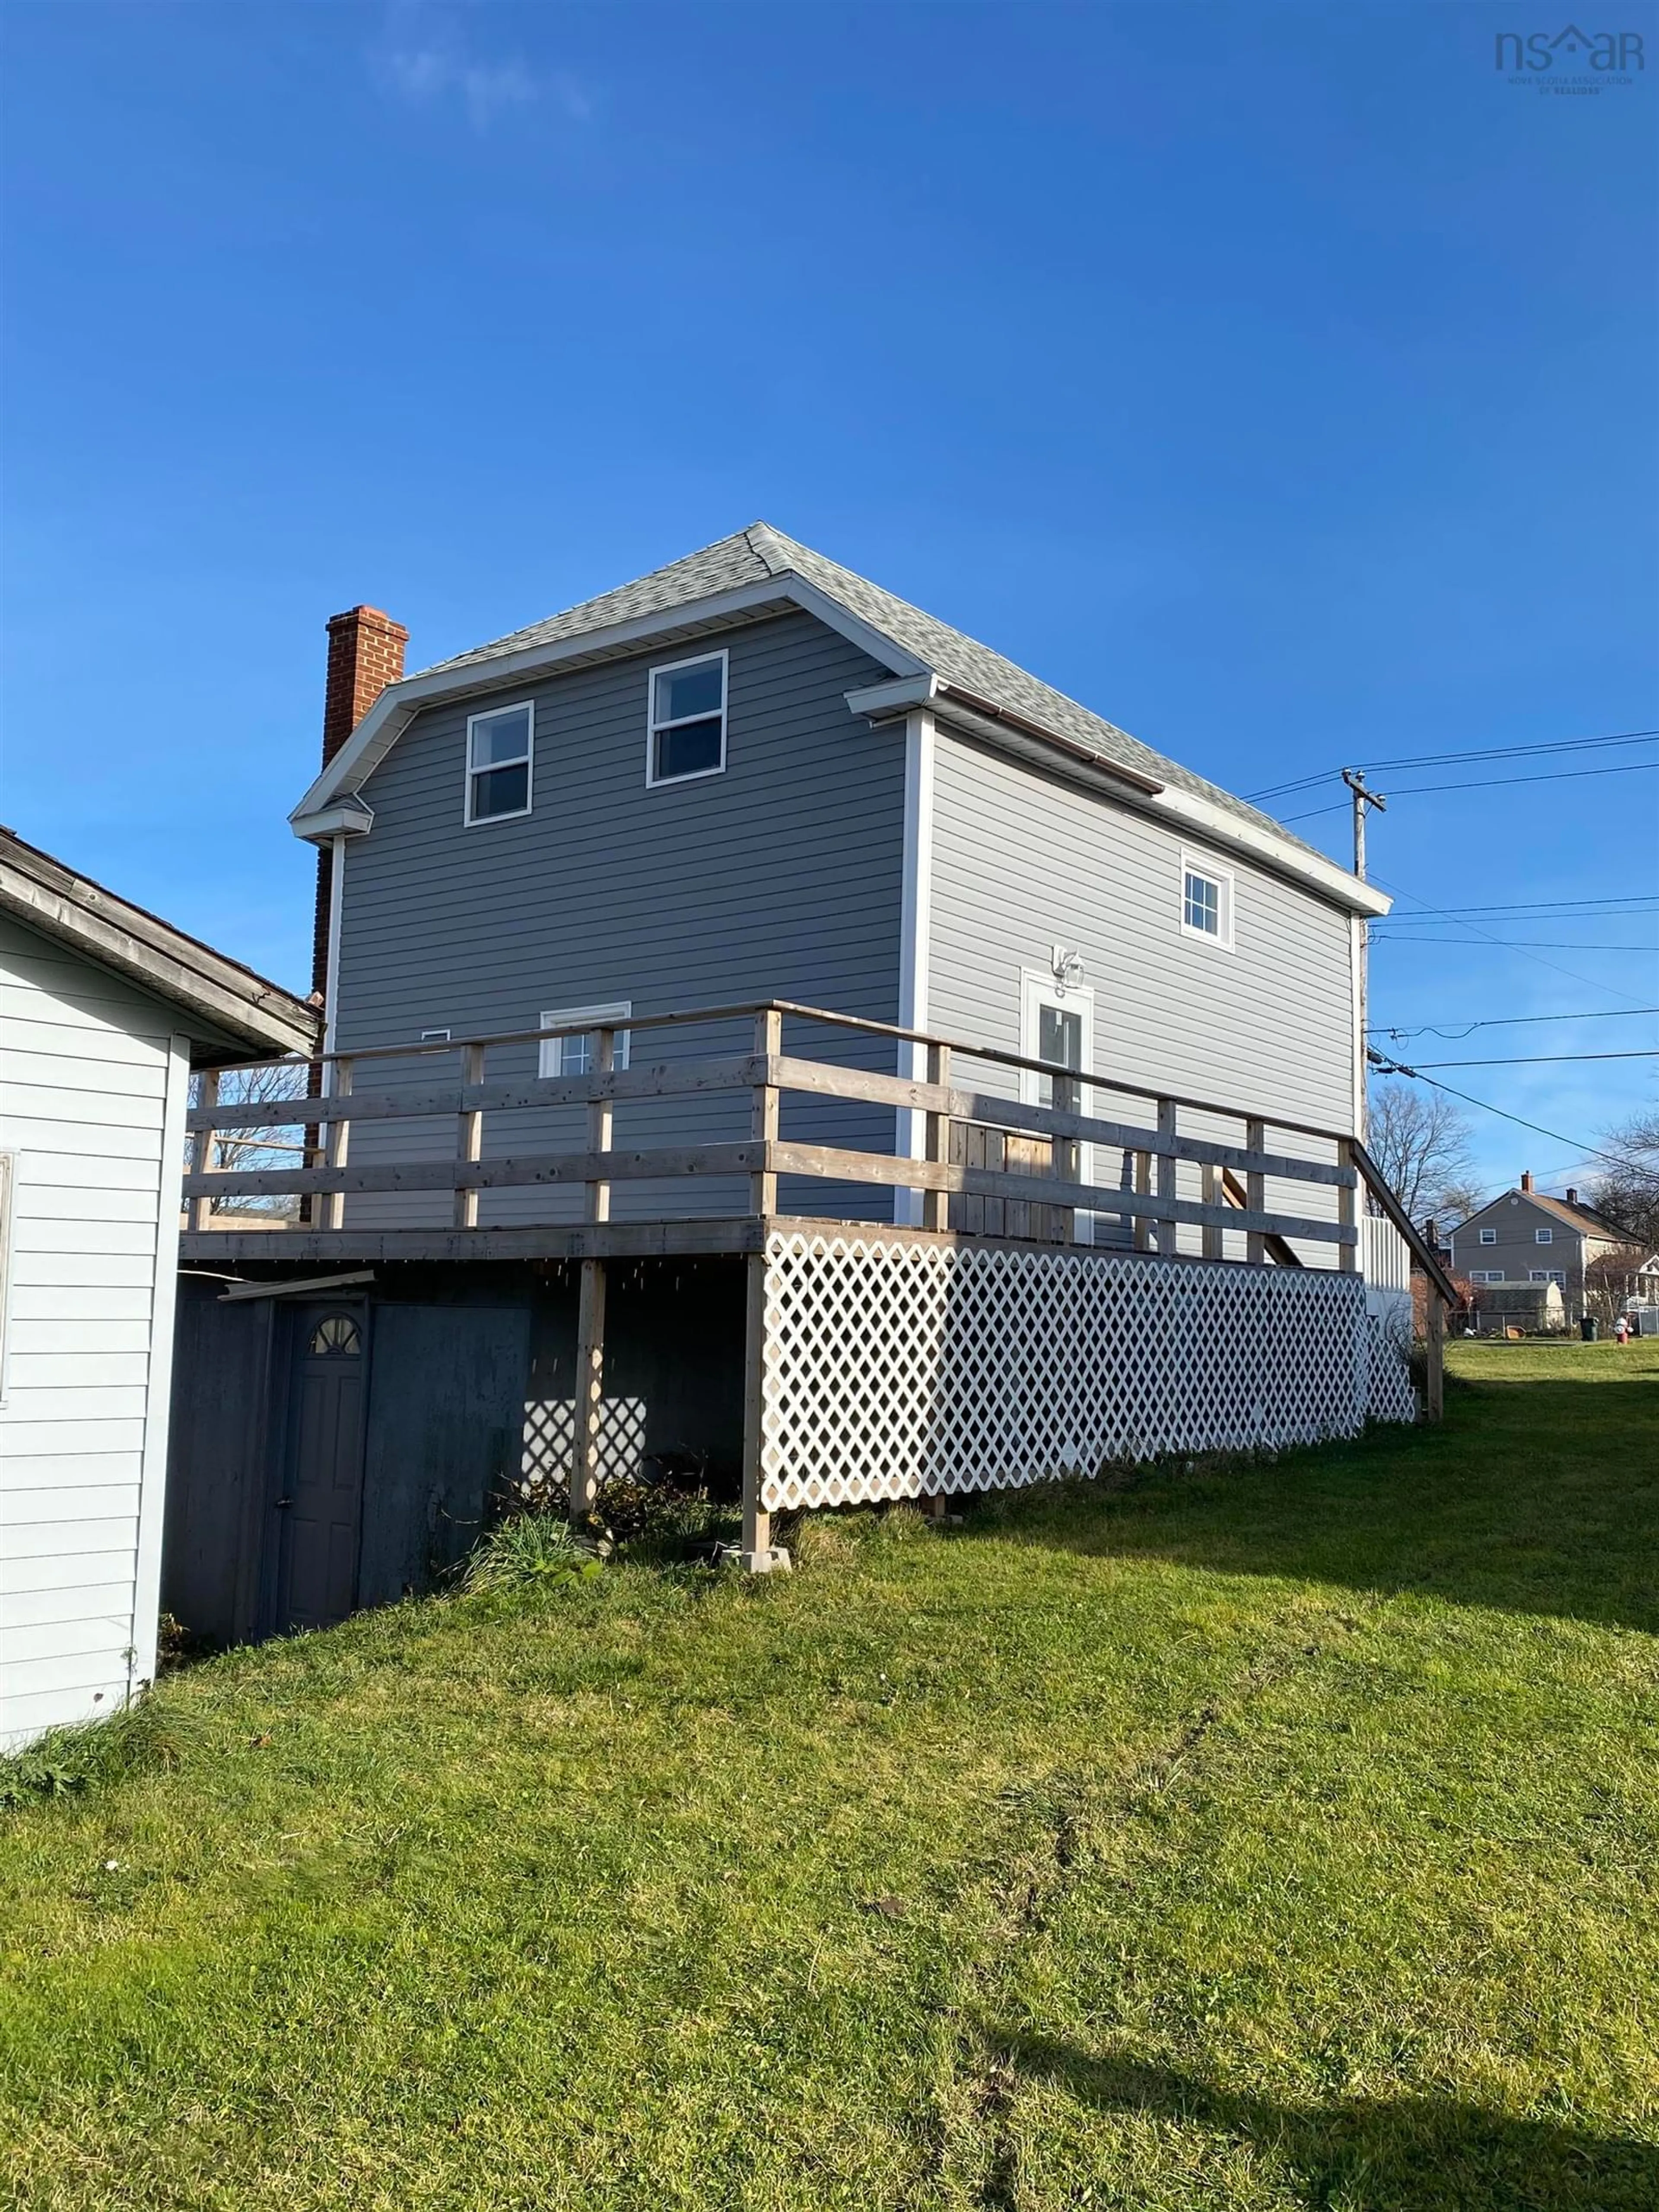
{"x": 985, "y": 1166}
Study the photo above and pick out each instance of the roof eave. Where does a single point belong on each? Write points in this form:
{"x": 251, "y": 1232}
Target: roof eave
{"x": 232, "y": 1009}
{"x": 398, "y": 704}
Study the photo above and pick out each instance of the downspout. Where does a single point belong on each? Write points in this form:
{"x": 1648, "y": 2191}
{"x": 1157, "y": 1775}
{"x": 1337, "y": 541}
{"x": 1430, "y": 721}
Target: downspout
{"x": 331, "y": 979}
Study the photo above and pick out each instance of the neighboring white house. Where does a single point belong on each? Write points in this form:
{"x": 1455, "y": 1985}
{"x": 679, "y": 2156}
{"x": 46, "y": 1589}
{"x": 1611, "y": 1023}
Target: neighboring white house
{"x": 103, "y": 1011}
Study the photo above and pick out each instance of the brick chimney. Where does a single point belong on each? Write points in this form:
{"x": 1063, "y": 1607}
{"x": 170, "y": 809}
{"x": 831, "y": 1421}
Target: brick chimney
{"x": 1526, "y": 1180}
{"x": 1573, "y": 1195}
{"x": 365, "y": 654}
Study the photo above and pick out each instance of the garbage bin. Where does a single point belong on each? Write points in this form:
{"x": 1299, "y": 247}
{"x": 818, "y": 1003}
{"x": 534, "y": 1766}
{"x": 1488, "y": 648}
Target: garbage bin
{"x": 1590, "y": 1328}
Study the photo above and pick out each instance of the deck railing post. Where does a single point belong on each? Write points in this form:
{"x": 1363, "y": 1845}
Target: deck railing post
{"x": 1434, "y": 1381}
{"x": 1347, "y": 1209}
{"x": 1140, "y": 1230}
{"x": 469, "y": 1136}
{"x": 201, "y": 1157}
{"x": 590, "y": 1306}
{"x": 338, "y": 1146}
{"x": 936, "y": 1144}
{"x": 1167, "y": 1233}
{"x": 763, "y": 1112}
{"x": 1212, "y": 1233}
{"x": 1255, "y": 1191}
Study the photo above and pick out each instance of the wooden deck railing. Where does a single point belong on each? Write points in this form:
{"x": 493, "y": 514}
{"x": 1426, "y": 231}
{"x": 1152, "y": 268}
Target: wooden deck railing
{"x": 961, "y": 1140}
{"x": 946, "y": 1162}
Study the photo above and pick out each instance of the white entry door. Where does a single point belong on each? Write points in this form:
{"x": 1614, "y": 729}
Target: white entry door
{"x": 1058, "y": 1026}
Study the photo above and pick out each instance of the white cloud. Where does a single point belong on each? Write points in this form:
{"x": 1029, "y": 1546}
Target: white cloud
{"x": 425, "y": 59}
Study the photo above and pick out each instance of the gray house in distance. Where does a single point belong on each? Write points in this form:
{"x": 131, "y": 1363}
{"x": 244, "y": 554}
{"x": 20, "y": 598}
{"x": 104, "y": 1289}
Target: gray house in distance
{"x": 1524, "y": 1237}
{"x": 849, "y": 995}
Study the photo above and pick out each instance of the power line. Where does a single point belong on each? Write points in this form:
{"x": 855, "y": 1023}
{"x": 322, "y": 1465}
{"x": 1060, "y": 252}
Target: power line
{"x": 1469, "y": 753}
{"x": 1586, "y": 1151}
{"x": 1488, "y": 783}
{"x": 1516, "y": 945}
{"x": 1543, "y": 905}
{"x": 1507, "y": 1021}
{"x": 1538, "y": 1059}
{"x": 1592, "y": 983}
{"x": 1545, "y": 775}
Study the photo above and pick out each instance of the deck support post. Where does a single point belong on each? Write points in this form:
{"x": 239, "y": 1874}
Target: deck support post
{"x": 201, "y": 1209}
{"x": 758, "y": 1555}
{"x": 1255, "y": 1191}
{"x": 1434, "y": 1390}
{"x": 590, "y": 1390}
{"x": 590, "y": 1309}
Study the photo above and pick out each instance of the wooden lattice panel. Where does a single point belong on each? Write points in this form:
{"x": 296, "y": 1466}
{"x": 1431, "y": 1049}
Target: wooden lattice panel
{"x": 893, "y": 1369}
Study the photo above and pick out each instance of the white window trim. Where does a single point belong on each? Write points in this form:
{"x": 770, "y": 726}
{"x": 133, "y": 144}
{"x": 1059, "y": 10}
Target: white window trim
{"x": 471, "y": 821}
{"x": 1557, "y": 1275}
{"x": 1486, "y": 1274}
{"x": 1200, "y": 863}
{"x": 1036, "y": 990}
{"x": 618, "y": 1010}
{"x": 653, "y": 727}
{"x": 1488, "y": 1236}
{"x": 1543, "y": 1236}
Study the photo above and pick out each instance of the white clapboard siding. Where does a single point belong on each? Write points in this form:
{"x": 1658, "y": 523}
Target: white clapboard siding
{"x": 91, "y": 1108}
{"x": 27, "y": 1544}
{"x": 99, "y": 1336}
{"x": 21, "y": 1575}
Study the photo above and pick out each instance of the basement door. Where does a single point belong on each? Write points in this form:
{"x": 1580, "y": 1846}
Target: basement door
{"x": 319, "y": 1505}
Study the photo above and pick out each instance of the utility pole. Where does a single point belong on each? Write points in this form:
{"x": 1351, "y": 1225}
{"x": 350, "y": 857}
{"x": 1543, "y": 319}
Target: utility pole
{"x": 1355, "y": 780}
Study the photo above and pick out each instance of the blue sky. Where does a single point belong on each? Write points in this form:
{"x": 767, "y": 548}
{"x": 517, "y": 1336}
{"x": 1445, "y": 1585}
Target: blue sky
{"x": 1278, "y": 380}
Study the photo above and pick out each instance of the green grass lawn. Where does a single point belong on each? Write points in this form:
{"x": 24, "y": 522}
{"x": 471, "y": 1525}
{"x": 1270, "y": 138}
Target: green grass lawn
{"x": 1269, "y": 1837}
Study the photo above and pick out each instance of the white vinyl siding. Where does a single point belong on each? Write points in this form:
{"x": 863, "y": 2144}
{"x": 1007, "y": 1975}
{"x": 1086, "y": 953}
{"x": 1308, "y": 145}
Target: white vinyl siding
{"x": 90, "y": 1110}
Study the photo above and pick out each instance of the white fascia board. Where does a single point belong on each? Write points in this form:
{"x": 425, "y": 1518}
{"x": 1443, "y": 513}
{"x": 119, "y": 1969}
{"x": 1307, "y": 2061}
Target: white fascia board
{"x": 347, "y": 817}
{"x": 881, "y": 701}
{"x": 888, "y": 702}
{"x": 1217, "y": 827}
{"x": 398, "y": 704}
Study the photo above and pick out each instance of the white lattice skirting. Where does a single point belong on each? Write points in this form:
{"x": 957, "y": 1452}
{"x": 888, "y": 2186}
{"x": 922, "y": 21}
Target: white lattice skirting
{"x": 894, "y": 1370}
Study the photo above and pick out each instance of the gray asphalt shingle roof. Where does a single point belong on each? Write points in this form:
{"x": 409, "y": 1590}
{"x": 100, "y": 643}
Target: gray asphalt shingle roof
{"x": 759, "y": 553}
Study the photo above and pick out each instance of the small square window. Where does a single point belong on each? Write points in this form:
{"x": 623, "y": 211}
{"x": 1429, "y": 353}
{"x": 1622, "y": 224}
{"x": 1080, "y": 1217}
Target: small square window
{"x": 498, "y": 749}
{"x": 1543, "y": 1236}
{"x": 687, "y": 733}
{"x": 1489, "y": 1236}
{"x": 1206, "y": 901}
{"x": 573, "y": 1055}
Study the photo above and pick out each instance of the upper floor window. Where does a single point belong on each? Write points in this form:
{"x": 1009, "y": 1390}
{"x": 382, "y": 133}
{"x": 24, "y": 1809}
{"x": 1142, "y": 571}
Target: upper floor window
{"x": 573, "y": 1055}
{"x": 1489, "y": 1236}
{"x": 1543, "y": 1236}
{"x": 498, "y": 749}
{"x": 1206, "y": 901}
{"x": 686, "y": 736}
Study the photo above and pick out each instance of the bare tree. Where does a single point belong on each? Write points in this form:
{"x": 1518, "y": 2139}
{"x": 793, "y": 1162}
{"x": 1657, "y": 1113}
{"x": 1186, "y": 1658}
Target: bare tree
{"x": 1629, "y": 1192}
{"x": 280, "y": 1144}
{"x": 1455, "y": 1202}
{"x": 1421, "y": 1140}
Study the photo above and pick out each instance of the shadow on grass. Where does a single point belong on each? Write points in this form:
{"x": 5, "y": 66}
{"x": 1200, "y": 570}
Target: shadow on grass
{"x": 1401, "y": 2154}
{"x": 1533, "y": 1496}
